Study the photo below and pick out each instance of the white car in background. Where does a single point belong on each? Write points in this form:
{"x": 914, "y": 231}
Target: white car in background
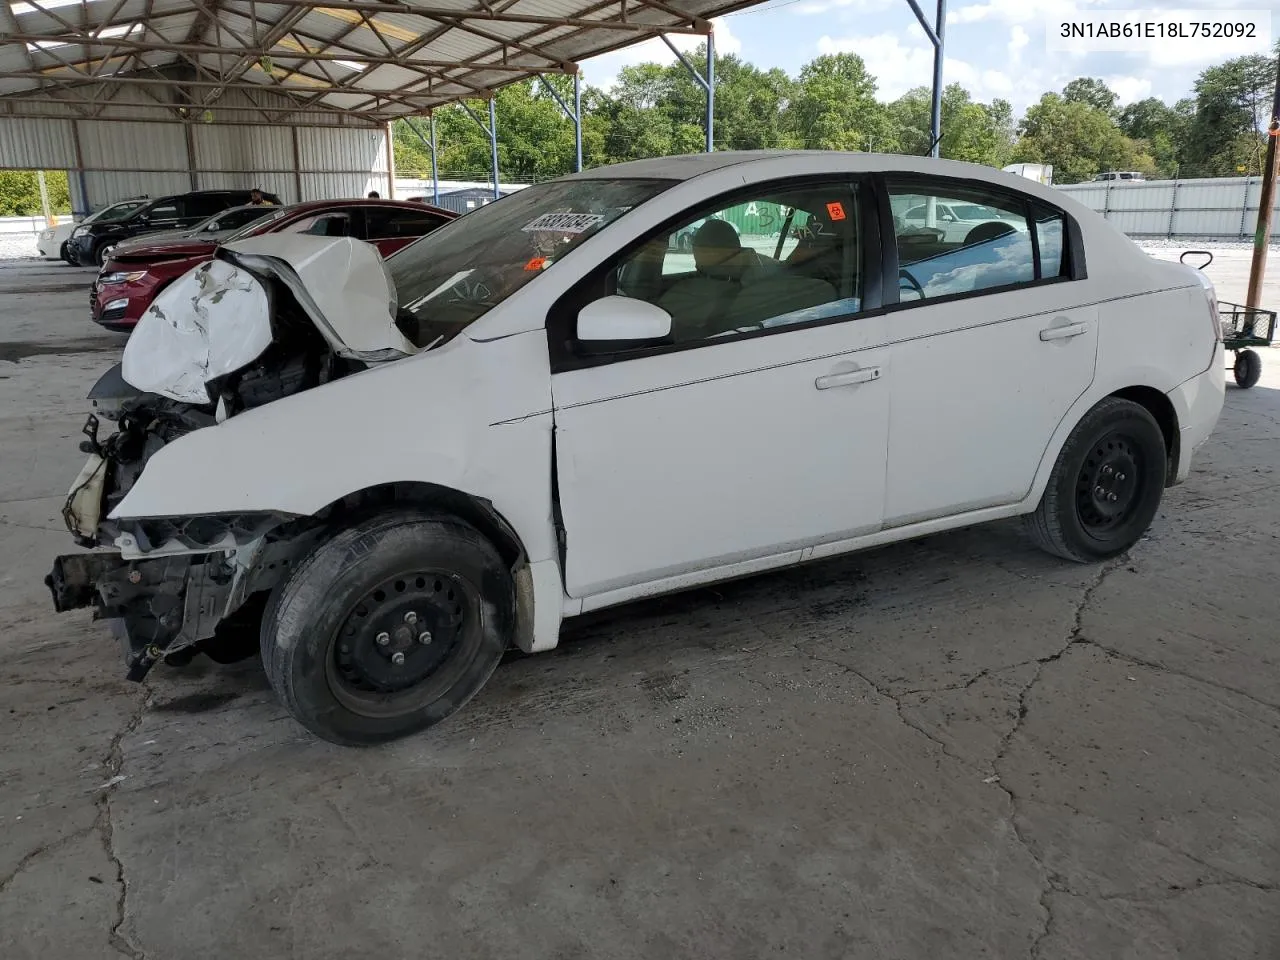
{"x": 52, "y": 240}
{"x": 593, "y": 418}
{"x": 958, "y": 220}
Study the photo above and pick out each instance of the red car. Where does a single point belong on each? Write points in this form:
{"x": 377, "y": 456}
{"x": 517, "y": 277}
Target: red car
{"x": 129, "y": 282}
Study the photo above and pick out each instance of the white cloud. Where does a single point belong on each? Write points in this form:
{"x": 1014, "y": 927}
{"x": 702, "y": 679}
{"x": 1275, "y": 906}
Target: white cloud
{"x": 1018, "y": 39}
{"x": 899, "y": 67}
{"x": 815, "y": 7}
{"x": 603, "y": 71}
{"x": 1015, "y": 11}
{"x": 1129, "y": 89}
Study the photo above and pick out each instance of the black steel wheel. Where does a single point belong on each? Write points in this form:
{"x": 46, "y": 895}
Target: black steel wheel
{"x": 1248, "y": 368}
{"x": 388, "y": 627}
{"x": 1106, "y": 484}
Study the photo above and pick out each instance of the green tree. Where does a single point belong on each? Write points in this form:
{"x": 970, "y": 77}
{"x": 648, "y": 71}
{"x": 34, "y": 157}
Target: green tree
{"x": 1161, "y": 127}
{"x": 835, "y": 106}
{"x": 1091, "y": 92}
{"x": 1232, "y": 103}
{"x": 20, "y": 193}
{"x": 1078, "y": 139}
{"x": 971, "y": 131}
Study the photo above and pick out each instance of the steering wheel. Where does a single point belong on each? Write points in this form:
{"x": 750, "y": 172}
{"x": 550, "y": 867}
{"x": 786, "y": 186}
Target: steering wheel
{"x": 469, "y": 290}
{"x": 912, "y": 282}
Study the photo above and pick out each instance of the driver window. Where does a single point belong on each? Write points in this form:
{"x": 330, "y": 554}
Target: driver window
{"x": 782, "y": 258}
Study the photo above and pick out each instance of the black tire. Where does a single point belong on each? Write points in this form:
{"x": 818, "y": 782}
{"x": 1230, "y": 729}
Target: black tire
{"x": 1248, "y": 368}
{"x": 1088, "y": 514}
{"x": 100, "y": 254}
{"x": 362, "y": 585}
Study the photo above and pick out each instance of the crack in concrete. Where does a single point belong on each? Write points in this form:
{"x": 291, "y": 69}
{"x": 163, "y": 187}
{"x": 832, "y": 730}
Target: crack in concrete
{"x": 113, "y": 762}
{"x": 1050, "y": 883}
{"x": 53, "y": 846}
{"x": 886, "y": 694}
{"x": 1165, "y": 668}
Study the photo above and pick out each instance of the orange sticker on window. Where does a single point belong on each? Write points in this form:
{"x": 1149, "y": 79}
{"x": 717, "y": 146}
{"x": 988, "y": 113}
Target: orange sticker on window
{"x": 537, "y": 263}
{"x": 835, "y": 211}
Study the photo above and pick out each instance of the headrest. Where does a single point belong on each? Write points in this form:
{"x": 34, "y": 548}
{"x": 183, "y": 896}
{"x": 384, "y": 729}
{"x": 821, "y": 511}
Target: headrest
{"x": 988, "y": 231}
{"x": 717, "y": 233}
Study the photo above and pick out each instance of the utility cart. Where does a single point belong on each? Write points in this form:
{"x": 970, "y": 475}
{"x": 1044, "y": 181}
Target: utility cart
{"x": 1242, "y": 328}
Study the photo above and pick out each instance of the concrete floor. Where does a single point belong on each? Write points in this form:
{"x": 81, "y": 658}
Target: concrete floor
{"x": 955, "y": 748}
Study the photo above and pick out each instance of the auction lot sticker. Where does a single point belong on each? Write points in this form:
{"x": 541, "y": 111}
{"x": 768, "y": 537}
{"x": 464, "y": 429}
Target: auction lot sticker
{"x": 1169, "y": 34}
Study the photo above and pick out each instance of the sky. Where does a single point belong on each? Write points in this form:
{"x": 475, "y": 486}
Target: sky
{"x": 994, "y": 48}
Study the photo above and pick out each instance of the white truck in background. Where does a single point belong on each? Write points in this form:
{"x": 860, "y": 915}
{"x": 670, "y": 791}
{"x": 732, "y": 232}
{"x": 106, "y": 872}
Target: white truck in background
{"x": 1039, "y": 172}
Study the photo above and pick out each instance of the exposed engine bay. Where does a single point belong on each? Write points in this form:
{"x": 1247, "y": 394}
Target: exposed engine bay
{"x": 245, "y": 329}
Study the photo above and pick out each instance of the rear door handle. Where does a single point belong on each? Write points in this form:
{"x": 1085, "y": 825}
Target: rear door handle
{"x": 1063, "y": 332}
{"x": 847, "y": 379}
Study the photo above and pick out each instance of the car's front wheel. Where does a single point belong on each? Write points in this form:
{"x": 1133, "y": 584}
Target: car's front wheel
{"x": 1106, "y": 484}
{"x": 388, "y": 627}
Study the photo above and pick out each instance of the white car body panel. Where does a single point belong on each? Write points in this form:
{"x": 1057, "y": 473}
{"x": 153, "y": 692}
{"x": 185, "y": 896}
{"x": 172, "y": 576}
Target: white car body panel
{"x": 50, "y": 240}
{"x": 674, "y": 470}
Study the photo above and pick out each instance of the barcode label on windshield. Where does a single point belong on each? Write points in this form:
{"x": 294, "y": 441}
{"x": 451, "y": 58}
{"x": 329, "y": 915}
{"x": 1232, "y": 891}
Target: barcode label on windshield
{"x": 564, "y": 222}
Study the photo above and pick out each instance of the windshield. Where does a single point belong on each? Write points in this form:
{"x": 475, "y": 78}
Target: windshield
{"x": 453, "y": 276}
{"x": 117, "y": 211}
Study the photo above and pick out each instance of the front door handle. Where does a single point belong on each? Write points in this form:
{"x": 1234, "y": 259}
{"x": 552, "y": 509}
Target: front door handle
{"x": 848, "y": 378}
{"x": 1063, "y": 332}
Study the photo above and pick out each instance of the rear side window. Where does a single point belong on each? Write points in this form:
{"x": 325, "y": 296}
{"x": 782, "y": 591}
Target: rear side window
{"x": 387, "y": 222}
{"x": 321, "y": 225}
{"x": 164, "y": 210}
{"x": 966, "y": 239}
{"x": 205, "y": 206}
{"x": 1051, "y": 229}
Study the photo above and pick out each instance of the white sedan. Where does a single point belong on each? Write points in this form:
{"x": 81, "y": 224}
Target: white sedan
{"x": 393, "y": 472}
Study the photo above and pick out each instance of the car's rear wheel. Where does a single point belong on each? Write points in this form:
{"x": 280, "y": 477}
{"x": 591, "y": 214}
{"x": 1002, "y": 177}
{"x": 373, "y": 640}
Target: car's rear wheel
{"x": 388, "y": 628}
{"x": 1106, "y": 484}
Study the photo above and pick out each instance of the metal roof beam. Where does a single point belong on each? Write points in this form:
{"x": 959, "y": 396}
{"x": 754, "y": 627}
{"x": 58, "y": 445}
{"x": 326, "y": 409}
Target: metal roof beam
{"x": 197, "y": 49}
{"x": 85, "y": 78}
{"x": 454, "y": 15}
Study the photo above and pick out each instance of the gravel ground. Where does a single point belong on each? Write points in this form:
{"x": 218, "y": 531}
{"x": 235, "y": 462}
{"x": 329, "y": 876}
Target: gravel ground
{"x": 18, "y": 246}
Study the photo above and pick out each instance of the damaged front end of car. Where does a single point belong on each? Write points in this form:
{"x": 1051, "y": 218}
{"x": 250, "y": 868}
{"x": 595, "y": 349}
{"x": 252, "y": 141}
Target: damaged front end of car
{"x": 260, "y": 322}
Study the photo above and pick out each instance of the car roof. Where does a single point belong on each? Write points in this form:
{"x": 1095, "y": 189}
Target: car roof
{"x": 691, "y": 166}
{"x": 337, "y": 204}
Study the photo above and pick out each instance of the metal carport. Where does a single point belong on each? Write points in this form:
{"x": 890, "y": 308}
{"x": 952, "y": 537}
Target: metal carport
{"x": 297, "y": 94}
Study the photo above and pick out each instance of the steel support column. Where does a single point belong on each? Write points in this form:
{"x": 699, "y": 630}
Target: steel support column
{"x": 575, "y": 114}
{"x": 435, "y": 169}
{"x": 492, "y": 131}
{"x": 707, "y": 83}
{"x": 936, "y": 32}
{"x": 431, "y": 146}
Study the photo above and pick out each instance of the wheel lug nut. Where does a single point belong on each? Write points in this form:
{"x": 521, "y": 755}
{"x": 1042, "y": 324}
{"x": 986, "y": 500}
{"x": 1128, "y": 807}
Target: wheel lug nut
{"x": 397, "y": 658}
{"x": 1099, "y": 491}
{"x": 1106, "y": 471}
{"x": 383, "y": 639}
{"x": 424, "y": 637}
{"x": 410, "y": 617}
{"x": 1111, "y": 497}
{"x": 1119, "y": 476}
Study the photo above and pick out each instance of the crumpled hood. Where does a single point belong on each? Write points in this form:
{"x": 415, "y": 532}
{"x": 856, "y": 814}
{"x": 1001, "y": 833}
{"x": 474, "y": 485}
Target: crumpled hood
{"x": 216, "y": 318}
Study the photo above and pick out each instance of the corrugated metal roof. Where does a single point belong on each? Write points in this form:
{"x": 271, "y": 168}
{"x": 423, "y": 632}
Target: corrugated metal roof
{"x": 372, "y": 60}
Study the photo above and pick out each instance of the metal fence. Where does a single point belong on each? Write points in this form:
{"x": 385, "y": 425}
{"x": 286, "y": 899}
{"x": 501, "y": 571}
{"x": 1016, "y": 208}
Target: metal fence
{"x": 1220, "y": 208}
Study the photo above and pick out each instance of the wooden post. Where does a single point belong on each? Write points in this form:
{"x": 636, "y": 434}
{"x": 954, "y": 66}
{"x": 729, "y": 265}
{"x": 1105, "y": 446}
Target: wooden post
{"x": 1266, "y": 202}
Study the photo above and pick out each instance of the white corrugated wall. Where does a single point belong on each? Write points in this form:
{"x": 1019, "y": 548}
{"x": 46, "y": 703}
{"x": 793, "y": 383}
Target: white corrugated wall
{"x": 112, "y": 159}
{"x": 1221, "y": 208}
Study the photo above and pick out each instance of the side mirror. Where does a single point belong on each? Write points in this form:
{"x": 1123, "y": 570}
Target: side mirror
{"x": 947, "y": 218}
{"x": 617, "y": 323}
